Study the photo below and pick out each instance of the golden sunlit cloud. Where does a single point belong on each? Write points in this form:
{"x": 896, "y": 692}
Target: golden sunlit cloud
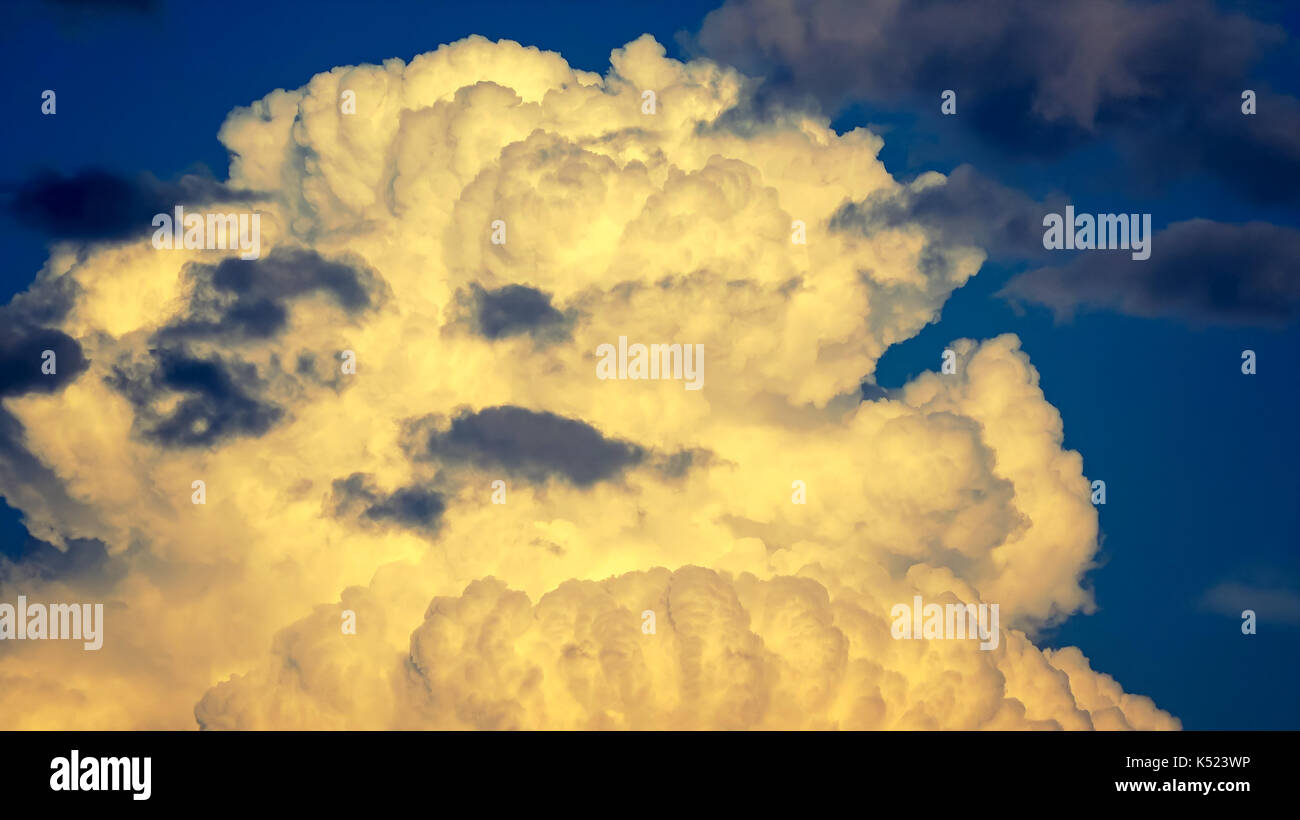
{"x": 438, "y": 273}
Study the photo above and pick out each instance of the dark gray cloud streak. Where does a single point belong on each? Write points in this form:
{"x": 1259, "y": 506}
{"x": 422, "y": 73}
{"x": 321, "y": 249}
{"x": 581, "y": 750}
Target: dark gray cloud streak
{"x": 95, "y": 204}
{"x": 969, "y": 209}
{"x": 1163, "y": 80}
{"x": 534, "y": 445}
{"x": 1199, "y": 270}
{"x": 522, "y": 443}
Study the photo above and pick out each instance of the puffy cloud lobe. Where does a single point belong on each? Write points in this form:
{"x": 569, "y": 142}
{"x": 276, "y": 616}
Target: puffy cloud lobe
{"x": 726, "y": 652}
{"x": 667, "y": 228}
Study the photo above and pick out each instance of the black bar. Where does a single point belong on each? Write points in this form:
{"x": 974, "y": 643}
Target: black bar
{"x": 435, "y": 773}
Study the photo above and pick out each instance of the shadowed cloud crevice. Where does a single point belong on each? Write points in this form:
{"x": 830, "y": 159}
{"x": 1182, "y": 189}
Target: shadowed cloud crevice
{"x": 515, "y": 310}
{"x": 220, "y": 398}
{"x": 415, "y": 507}
{"x": 246, "y": 300}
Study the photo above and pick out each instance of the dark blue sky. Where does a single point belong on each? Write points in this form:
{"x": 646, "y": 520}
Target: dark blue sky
{"x": 1199, "y": 460}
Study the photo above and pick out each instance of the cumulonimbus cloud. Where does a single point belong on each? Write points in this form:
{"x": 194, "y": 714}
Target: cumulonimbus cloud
{"x": 376, "y": 489}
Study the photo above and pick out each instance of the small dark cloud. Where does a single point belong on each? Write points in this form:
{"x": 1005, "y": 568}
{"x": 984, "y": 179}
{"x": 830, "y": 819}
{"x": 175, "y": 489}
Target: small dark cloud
{"x": 511, "y": 311}
{"x": 415, "y": 507}
{"x": 1199, "y": 270}
{"x": 219, "y": 398}
{"x": 238, "y": 299}
{"x": 515, "y": 309}
{"x": 95, "y": 204}
{"x": 21, "y": 360}
{"x": 534, "y": 445}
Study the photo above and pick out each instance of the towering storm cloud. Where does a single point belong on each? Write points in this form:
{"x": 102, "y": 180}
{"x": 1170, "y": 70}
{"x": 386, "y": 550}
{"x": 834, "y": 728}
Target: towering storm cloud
{"x": 397, "y": 421}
